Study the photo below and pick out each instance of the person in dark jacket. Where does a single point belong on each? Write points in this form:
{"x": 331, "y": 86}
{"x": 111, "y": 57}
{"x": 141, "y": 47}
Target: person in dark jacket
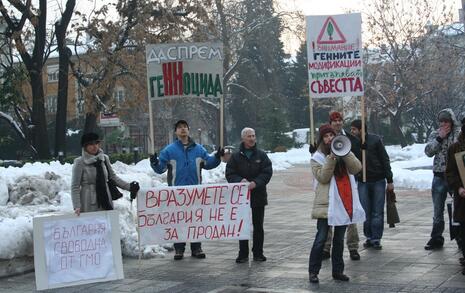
{"x": 372, "y": 192}
{"x": 251, "y": 165}
{"x": 455, "y": 183}
{"x": 439, "y": 142}
{"x": 184, "y": 160}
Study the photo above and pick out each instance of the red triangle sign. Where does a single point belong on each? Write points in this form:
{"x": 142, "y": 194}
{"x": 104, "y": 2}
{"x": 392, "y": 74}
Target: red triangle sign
{"x": 330, "y": 33}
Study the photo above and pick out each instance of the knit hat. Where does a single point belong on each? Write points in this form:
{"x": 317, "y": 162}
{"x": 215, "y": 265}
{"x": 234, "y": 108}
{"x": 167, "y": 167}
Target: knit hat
{"x": 335, "y": 116}
{"x": 179, "y": 123}
{"x": 89, "y": 138}
{"x": 444, "y": 115}
{"x": 324, "y": 129}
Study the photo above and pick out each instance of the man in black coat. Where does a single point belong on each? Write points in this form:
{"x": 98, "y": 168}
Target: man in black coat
{"x": 372, "y": 192}
{"x": 251, "y": 165}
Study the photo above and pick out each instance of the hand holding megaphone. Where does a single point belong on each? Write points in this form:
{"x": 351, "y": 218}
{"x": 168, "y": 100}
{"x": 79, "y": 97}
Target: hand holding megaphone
{"x": 340, "y": 146}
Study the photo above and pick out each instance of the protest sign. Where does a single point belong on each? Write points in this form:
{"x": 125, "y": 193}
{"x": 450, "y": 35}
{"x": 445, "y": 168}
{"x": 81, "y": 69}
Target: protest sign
{"x": 71, "y": 250}
{"x": 194, "y": 213}
{"x": 334, "y": 50}
{"x": 185, "y": 70}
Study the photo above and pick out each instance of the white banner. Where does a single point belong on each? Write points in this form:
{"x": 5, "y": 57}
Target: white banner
{"x": 194, "y": 213}
{"x": 335, "y": 60}
{"x": 71, "y": 250}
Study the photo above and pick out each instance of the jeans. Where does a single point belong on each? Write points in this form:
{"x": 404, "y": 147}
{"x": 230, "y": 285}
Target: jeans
{"x": 352, "y": 239}
{"x": 439, "y": 194}
{"x": 314, "y": 263}
{"x": 258, "y": 215}
{"x": 372, "y": 197}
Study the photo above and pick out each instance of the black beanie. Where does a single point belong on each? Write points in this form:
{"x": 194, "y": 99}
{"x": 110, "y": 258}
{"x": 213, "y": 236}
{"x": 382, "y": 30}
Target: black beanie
{"x": 89, "y": 138}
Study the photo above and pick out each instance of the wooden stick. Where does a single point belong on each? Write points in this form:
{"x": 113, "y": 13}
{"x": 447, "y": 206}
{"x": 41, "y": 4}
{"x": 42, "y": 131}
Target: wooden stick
{"x": 222, "y": 121}
{"x": 364, "y": 169}
{"x": 312, "y": 126}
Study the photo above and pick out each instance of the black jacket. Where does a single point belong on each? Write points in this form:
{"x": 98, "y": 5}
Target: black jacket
{"x": 378, "y": 166}
{"x": 258, "y": 169}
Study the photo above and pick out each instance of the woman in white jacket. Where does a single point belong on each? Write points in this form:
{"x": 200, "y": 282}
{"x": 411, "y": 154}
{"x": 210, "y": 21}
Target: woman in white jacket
{"x": 91, "y": 173}
{"x": 336, "y": 202}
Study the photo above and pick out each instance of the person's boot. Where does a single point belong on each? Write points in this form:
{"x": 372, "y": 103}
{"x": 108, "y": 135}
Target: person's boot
{"x": 242, "y": 258}
{"x": 198, "y": 253}
{"x": 354, "y": 254}
{"x": 313, "y": 278}
{"x": 325, "y": 255}
{"x": 178, "y": 255}
{"x": 340, "y": 277}
{"x": 260, "y": 257}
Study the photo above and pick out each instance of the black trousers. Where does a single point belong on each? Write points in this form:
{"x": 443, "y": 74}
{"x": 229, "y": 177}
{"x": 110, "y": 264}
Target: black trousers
{"x": 181, "y": 246}
{"x": 258, "y": 215}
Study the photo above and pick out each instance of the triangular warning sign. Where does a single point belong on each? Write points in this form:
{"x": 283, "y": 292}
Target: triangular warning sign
{"x": 330, "y": 33}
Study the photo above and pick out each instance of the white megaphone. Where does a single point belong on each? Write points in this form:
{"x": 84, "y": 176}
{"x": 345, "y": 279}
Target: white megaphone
{"x": 340, "y": 145}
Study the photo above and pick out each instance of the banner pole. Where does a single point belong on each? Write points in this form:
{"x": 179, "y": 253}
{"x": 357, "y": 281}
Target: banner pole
{"x": 138, "y": 234}
{"x": 222, "y": 121}
{"x": 364, "y": 171}
{"x": 312, "y": 126}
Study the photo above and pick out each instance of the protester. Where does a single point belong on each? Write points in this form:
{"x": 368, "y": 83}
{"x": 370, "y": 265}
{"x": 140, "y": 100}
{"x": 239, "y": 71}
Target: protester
{"x": 253, "y": 166}
{"x": 438, "y": 143}
{"x": 372, "y": 193}
{"x": 455, "y": 183}
{"x": 91, "y": 174}
{"x": 336, "y": 121}
{"x": 335, "y": 184}
{"x": 184, "y": 160}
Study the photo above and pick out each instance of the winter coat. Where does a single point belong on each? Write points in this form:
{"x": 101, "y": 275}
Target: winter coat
{"x": 84, "y": 177}
{"x": 323, "y": 174}
{"x": 453, "y": 179}
{"x": 378, "y": 166}
{"x": 439, "y": 149}
{"x": 184, "y": 164}
{"x": 257, "y": 169}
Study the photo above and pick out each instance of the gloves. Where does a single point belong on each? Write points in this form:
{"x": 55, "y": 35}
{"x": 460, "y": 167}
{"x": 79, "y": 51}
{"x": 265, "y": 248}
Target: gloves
{"x": 312, "y": 148}
{"x": 154, "y": 159}
{"x": 134, "y": 188}
{"x": 219, "y": 152}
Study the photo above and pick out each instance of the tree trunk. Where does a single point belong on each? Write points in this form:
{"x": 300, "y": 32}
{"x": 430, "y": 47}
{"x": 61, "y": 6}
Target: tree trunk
{"x": 39, "y": 122}
{"x": 91, "y": 123}
{"x": 62, "y": 97}
{"x": 396, "y": 126}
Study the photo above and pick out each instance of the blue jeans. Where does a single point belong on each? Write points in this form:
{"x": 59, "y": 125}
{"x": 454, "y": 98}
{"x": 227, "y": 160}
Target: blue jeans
{"x": 372, "y": 197}
{"x": 439, "y": 194}
{"x": 316, "y": 257}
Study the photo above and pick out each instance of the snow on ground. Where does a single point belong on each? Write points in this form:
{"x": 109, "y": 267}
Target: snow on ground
{"x": 42, "y": 188}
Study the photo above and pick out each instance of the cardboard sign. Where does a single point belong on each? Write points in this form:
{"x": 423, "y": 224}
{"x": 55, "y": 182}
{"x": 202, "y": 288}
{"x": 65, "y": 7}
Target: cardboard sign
{"x": 185, "y": 70}
{"x": 334, "y": 50}
{"x": 71, "y": 250}
{"x": 194, "y": 213}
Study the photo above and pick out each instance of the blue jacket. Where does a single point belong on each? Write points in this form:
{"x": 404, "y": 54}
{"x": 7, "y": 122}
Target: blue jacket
{"x": 184, "y": 165}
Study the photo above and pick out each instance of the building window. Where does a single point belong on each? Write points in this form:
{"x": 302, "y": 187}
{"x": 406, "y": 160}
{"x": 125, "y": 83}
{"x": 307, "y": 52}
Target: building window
{"x": 51, "y": 104}
{"x": 52, "y": 73}
{"x": 118, "y": 96}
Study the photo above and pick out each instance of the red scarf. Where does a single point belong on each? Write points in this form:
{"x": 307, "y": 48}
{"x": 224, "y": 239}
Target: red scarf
{"x": 345, "y": 191}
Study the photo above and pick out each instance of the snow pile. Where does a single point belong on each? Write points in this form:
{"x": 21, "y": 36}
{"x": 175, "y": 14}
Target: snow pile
{"x": 42, "y": 188}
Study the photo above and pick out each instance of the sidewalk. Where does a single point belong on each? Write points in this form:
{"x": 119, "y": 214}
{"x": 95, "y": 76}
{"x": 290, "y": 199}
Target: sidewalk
{"x": 401, "y": 266}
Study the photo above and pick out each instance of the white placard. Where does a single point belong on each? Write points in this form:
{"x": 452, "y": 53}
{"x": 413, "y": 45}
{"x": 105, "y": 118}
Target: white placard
{"x": 71, "y": 250}
{"x": 194, "y": 213}
{"x": 334, "y": 51}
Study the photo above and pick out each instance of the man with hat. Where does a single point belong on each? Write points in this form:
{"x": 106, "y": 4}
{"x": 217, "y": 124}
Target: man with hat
{"x": 437, "y": 146}
{"x": 336, "y": 120}
{"x": 184, "y": 159}
{"x": 372, "y": 193}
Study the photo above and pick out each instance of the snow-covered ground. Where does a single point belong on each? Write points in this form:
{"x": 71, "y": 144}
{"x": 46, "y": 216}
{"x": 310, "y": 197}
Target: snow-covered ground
{"x": 42, "y": 188}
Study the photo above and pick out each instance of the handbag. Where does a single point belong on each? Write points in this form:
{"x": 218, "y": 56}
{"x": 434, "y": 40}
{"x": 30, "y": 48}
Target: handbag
{"x": 114, "y": 191}
{"x": 392, "y": 216}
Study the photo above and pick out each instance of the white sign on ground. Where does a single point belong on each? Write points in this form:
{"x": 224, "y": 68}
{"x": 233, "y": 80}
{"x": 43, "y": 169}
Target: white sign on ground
{"x": 334, "y": 50}
{"x": 194, "y": 213}
{"x": 71, "y": 250}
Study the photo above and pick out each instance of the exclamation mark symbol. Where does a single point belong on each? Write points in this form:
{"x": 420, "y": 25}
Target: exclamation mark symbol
{"x": 240, "y": 228}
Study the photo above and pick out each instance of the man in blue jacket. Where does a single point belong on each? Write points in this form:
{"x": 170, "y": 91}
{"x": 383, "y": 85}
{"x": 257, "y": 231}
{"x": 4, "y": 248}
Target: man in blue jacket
{"x": 184, "y": 160}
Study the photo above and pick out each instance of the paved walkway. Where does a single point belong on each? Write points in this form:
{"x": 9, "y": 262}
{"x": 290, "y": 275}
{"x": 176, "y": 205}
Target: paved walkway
{"x": 401, "y": 266}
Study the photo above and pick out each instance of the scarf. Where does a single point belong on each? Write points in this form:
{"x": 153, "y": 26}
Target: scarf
{"x": 103, "y": 199}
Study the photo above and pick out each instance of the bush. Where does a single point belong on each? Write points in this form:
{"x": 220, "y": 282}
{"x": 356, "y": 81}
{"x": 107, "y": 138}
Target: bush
{"x": 280, "y": 149}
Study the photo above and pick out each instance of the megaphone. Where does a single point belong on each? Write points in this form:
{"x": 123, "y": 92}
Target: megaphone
{"x": 340, "y": 145}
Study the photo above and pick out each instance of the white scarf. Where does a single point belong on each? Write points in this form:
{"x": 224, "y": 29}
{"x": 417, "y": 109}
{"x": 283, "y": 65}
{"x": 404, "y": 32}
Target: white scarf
{"x": 337, "y": 214}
